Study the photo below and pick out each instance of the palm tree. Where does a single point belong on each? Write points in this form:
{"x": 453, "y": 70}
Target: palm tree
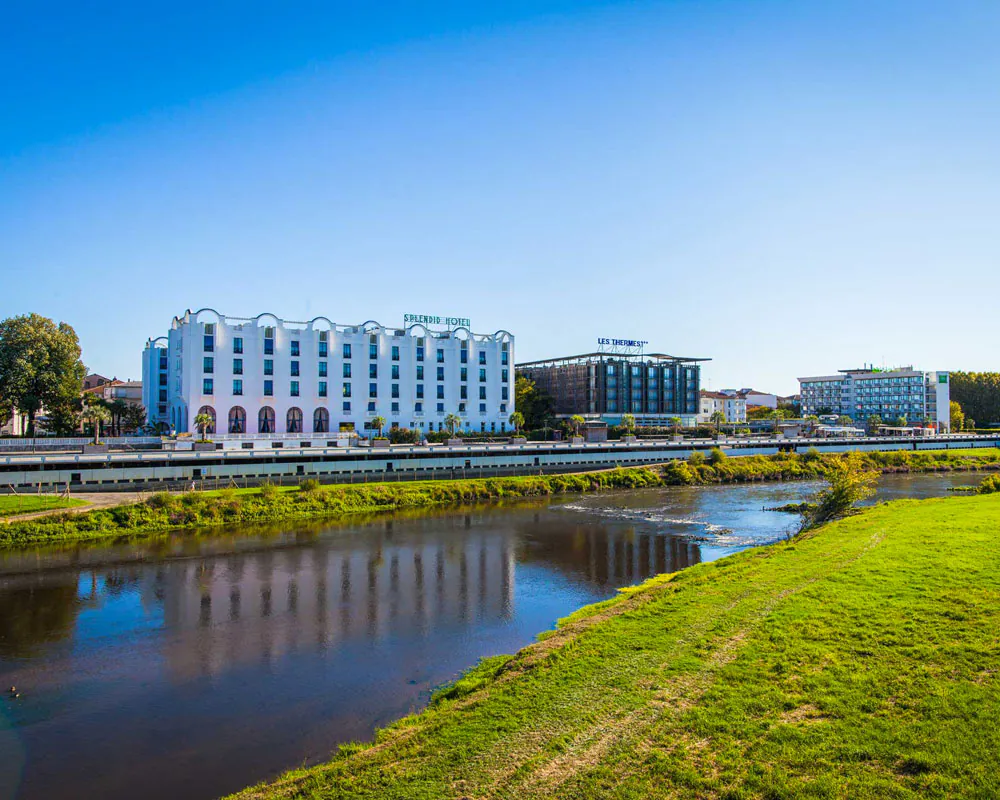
{"x": 203, "y": 422}
{"x": 96, "y": 415}
{"x": 517, "y": 420}
{"x": 577, "y": 421}
{"x": 118, "y": 410}
{"x": 675, "y": 423}
{"x": 718, "y": 418}
{"x": 378, "y": 423}
{"x": 628, "y": 423}
{"x": 451, "y": 422}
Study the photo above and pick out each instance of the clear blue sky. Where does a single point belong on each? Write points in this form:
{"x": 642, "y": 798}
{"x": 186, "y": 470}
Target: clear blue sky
{"x": 786, "y": 188}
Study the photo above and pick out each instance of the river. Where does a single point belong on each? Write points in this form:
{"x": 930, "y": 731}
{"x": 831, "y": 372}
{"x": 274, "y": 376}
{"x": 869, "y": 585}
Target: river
{"x": 192, "y": 666}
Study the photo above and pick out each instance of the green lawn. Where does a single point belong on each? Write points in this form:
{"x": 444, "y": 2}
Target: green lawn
{"x": 26, "y": 503}
{"x": 861, "y": 662}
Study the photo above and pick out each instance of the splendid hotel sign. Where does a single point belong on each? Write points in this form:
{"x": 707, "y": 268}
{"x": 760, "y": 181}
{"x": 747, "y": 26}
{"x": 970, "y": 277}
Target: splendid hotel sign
{"x": 425, "y": 319}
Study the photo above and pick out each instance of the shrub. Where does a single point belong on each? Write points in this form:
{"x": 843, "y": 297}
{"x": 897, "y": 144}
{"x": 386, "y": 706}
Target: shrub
{"x": 849, "y": 481}
{"x": 269, "y": 491}
{"x": 990, "y": 485}
{"x": 309, "y": 485}
{"x": 160, "y": 500}
{"x": 812, "y": 454}
{"x": 716, "y": 456}
{"x": 696, "y": 459}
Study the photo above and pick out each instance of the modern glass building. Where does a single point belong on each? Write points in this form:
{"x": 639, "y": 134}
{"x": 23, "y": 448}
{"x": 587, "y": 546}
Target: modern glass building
{"x": 889, "y": 394}
{"x": 652, "y": 387}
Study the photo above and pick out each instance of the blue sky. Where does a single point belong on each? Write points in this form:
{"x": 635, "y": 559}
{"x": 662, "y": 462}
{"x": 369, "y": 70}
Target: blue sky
{"x": 786, "y": 188}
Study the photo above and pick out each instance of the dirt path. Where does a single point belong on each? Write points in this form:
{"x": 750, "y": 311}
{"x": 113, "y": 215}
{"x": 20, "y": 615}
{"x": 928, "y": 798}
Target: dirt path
{"x": 93, "y": 500}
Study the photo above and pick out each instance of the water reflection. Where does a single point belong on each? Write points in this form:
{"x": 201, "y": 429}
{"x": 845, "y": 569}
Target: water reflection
{"x": 193, "y": 666}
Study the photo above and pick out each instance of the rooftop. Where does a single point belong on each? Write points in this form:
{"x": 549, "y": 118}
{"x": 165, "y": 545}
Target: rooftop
{"x": 587, "y": 358}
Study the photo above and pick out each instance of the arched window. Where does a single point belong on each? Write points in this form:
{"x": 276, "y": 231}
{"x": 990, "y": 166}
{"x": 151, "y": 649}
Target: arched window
{"x": 321, "y": 421}
{"x": 265, "y": 420}
{"x": 293, "y": 421}
{"x": 237, "y": 420}
{"x": 210, "y": 412}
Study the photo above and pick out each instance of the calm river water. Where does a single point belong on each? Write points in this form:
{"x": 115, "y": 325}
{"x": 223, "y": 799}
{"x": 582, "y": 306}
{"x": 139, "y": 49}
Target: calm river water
{"x": 194, "y": 667}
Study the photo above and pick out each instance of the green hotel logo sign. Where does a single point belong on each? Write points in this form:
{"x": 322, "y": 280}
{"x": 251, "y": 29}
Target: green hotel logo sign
{"x": 430, "y": 319}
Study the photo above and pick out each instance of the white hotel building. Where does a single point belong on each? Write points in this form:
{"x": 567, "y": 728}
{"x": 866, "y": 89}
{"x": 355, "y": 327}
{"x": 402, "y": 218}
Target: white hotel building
{"x": 264, "y": 375}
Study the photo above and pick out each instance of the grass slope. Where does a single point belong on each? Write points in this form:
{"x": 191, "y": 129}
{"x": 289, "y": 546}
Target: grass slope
{"x": 860, "y": 662}
{"x": 12, "y": 504}
{"x": 165, "y": 512}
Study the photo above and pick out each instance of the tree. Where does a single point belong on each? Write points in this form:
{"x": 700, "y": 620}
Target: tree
{"x": 844, "y": 421}
{"x": 628, "y": 423}
{"x": 452, "y": 421}
{"x": 517, "y": 420}
{"x": 577, "y": 422}
{"x": 40, "y": 366}
{"x": 978, "y": 394}
{"x": 675, "y": 424}
{"x": 117, "y": 407}
{"x": 873, "y": 423}
{"x": 849, "y": 482}
{"x": 717, "y": 418}
{"x": 900, "y": 421}
{"x": 957, "y": 416}
{"x": 96, "y": 414}
{"x": 134, "y": 418}
{"x": 970, "y": 424}
{"x": 535, "y": 404}
{"x": 203, "y": 422}
{"x": 378, "y": 423}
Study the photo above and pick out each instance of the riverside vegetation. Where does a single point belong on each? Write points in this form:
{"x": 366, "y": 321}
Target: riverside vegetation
{"x": 858, "y": 660}
{"x": 164, "y": 511}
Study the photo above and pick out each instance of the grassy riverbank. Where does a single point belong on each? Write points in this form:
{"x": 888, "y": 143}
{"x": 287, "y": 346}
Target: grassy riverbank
{"x": 164, "y": 512}
{"x": 857, "y": 662}
{"x": 14, "y": 504}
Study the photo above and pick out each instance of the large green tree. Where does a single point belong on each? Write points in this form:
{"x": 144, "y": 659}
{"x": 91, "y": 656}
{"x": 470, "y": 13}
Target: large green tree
{"x": 40, "y": 367}
{"x": 978, "y": 393}
{"x": 535, "y": 404}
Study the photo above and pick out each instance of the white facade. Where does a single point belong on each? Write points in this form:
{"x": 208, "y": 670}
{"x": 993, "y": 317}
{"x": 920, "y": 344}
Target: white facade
{"x": 267, "y": 375}
{"x": 863, "y": 393}
{"x": 734, "y": 407}
{"x": 753, "y": 397}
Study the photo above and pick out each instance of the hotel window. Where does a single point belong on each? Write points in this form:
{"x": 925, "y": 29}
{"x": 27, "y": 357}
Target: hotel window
{"x": 268, "y": 388}
{"x": 237, "y": 366}
{"x": 371, "y": 407}
{"x": 395, "y": 352}
{"x": 208, "y": 364}
{"x": 503, "y": 393}
{"x": 373, "y": 371}
{"x": 465, "y": 374}
{"x": 323, "y": 339}
{"x": 322, "y": 369}
{"x": 373, "y": 390}
{"x": 440, "y": 356}
{"x": 440, "y": 393}
{"x": 163, "y": 395}
{"x": 420, "y": 391}
{"x": 268, "y": 341}
{"x": 237, "y": 386}
{"x": 482, "y": 357}
{"x": 463, "y": 392}
{"x": 294, "y": 389}
{"x": 268, "y": 366}
{"x": 395, "y": 390}
{"x": 322, "y": 388}
{"x": 347, "y": 406}
{"x": 347, "y": 390}
{"x": 482, "y": 409}
{"x": 395, "y": 372}
{"x": 347, "y": 370}
{"x": 418, "y": 407}
{"x": 347, "y": 351}
{"x": 373, "y": 351}
{"x": 420, "y": 349}
{"x": 238, "y": 345}
{"x": 208, "y": 386}
{"x": 482, "y": 392}
{"x": 464, "y": 353}
{"x": 482, "y": 376}
{"x": 461, "y": 408}
{"x": 503, "y": 408}
{"x": 395, "y": 408}
{"x": 440, "y": 408}
{"x": 504, "y": 355}
{"x": 440, "y": 373}
{"x": 295, "y": 348}
{"x": 163, "y": 362}
{"x": 209, "y": 337}
{"x": 295, "y": 369}
{"x": 420, "y": 372}
{"x": 503, "y": 375}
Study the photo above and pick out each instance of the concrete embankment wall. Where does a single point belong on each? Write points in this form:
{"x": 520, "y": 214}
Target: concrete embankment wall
{"x": 150, "y": 471}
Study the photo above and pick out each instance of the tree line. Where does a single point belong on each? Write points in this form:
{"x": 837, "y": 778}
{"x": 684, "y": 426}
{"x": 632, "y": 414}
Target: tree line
{"x": 978, "y": 394}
